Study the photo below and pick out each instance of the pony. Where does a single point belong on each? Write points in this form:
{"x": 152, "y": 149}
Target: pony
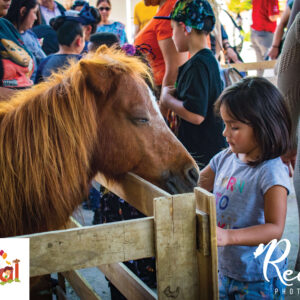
{"x": 98, "y": 115}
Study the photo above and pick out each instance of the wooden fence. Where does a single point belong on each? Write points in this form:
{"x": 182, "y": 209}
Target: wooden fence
{"x": 180, "y": 231}
{"x": 255, "y": 66}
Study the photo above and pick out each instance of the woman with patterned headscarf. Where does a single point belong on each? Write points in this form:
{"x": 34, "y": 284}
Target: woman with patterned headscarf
{"x": 16, "y": 63}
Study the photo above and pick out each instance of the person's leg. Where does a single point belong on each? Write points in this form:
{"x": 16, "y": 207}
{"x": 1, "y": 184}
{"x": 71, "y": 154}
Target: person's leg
{"x": 252, "y": 290}
{"x": 223, "y": 287}
{"x": 261, "y": 42}
{"x": 265, "y": 39}
{"x": 278, "y": 289}
{"x": 255, "y": 44}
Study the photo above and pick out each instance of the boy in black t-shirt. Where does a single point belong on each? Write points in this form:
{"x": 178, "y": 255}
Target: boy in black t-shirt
{"x": 198, "y": 83}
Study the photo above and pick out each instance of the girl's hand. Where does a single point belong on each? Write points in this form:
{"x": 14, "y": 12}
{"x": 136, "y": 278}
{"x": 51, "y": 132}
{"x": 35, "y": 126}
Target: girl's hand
{"x": 222, "y": 236}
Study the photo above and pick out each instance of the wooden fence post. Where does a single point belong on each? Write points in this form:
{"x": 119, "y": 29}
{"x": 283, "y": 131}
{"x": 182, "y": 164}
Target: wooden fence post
{"x": 175, "y": 235}
{"x": 208, "y": 253}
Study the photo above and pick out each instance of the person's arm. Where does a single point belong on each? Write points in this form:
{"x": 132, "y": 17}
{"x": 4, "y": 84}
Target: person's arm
{"x": 6, "y": 93}
{"x": 136, "y": 22}
{"x": 170, "y": 102}
{"x": 172, "y": 60}
{"x": 273, "y": 9}
{"x": 136, "y": 30}
{"x": 273, "y": 18}
{"x": 207, "y": 178}
{"x": 229, "y": 52}
{"x": 274, "y": 50}
{"x": 275, "y": 203}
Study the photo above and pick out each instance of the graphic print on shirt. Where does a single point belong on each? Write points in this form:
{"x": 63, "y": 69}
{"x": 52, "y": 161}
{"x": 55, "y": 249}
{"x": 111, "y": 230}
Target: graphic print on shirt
{"x": 231, "y": 185}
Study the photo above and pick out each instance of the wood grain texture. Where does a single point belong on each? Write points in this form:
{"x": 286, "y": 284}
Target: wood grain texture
{"x": 261, "y": 65}
{"x": 91, "y": 246}
{"x": 127, "y": 282}
{"x": 208, "y": 265}
{"x": 175, "y": 235}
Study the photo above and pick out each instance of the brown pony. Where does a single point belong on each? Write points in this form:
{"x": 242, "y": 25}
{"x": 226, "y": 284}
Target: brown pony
{"x": 98, "y": 115}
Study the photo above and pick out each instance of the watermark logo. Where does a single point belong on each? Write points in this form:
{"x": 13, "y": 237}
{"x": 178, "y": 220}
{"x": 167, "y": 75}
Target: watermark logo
{"x": 270, "y": 247}
{"x": 14, "y": 268}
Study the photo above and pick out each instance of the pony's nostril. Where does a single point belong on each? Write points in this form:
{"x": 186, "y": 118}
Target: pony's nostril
{"x": 193, "y": 175}
{"x": 180, "y": 183}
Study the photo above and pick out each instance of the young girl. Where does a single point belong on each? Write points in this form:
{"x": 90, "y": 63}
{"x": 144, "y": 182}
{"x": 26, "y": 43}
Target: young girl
{"x": 250, "y": 183}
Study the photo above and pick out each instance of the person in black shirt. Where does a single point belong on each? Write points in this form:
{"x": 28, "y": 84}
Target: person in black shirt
{"x": 198, "y": 82}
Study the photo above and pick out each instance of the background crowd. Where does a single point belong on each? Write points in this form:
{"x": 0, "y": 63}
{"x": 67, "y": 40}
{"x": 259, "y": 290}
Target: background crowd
{"x": 183, "y": 52}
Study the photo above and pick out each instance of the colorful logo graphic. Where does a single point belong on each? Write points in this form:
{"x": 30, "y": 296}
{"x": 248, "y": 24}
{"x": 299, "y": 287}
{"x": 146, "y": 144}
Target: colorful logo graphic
{"x": 9, "y": 274}
{"x": 14, "y": 268}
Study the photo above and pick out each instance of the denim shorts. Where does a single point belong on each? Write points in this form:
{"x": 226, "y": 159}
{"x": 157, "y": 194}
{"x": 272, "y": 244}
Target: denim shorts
{"x": 231, "y": 289}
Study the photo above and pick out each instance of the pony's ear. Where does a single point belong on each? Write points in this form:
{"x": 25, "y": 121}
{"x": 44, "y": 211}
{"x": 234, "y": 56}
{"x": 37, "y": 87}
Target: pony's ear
{"x": 102, "y": 49}
{"x": 97, "y": 76}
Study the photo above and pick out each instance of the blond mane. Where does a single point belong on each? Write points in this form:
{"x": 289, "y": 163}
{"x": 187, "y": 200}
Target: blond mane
{"x": 47, "y": 136}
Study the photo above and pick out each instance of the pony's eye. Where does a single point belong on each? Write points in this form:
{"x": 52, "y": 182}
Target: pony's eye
{"x": 142, "y": 120}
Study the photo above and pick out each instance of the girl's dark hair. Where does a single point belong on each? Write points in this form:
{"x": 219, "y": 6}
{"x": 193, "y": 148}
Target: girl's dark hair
{"x": 256, "y": 102}
{"x": 66, "y": 30}
{"x": 100, "y": 1}
{"x": 14, "y": 15}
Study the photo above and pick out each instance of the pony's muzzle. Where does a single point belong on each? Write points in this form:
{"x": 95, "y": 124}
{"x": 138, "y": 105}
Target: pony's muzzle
{"x": 181, "y": 183}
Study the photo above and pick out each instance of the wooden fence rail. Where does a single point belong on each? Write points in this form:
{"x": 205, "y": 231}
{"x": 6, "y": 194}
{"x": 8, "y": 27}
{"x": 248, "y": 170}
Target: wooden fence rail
{"x": 180, "y": 232}
{"x": 261, "y": 65}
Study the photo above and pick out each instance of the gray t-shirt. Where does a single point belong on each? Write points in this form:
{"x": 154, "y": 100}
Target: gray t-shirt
{"x": 239, "y": 190}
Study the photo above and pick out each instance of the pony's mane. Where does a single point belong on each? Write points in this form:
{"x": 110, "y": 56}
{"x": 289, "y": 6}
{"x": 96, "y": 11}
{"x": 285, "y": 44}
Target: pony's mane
{"x": 47, "y": 136}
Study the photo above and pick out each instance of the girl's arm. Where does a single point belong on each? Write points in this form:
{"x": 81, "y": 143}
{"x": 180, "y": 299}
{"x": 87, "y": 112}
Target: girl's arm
{"x": 275, "y": 200}
{"x": 207, "y": 178}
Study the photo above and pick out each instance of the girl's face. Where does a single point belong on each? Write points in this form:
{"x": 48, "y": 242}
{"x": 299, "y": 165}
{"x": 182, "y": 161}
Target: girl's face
{"x": 240, "y": 137}
{"x": 179, "y": 36}
{"x": 4, "y": 6}
{"x": 30, "y": 18}
{"x": 104, "y": 9}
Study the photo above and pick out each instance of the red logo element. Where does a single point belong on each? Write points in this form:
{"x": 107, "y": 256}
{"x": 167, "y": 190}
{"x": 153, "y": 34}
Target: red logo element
{"x": 7, "y": 273}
